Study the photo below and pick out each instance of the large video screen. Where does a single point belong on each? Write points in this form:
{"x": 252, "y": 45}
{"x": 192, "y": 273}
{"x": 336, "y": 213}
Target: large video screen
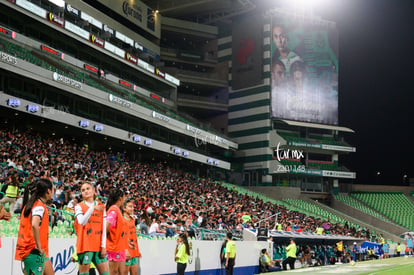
{"x": 304, "y": 70}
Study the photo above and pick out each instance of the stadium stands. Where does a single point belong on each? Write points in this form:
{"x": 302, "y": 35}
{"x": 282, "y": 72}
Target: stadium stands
{"x": 393, "y": 205}
{"x": 35, "y": 57}
{"x": 317, "y": 215}
{"x": 360, "y": 206}
{"x": 313, "y": 138}
{"x": 326, "y": 140}
{"x": 291, "y": 136}
{"x": 319, "y": 212}
{"x": 323, "y": 165}
{"x": 157, "y": 189}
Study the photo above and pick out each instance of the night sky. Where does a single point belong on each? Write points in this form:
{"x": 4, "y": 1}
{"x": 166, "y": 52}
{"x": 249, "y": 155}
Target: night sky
{"x": 376, "y": 91}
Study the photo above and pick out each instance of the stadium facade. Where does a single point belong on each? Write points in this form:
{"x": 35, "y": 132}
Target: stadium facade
{"x": 182, "y": 83}
{"x": 93, "y": 71}
{"x": 287, "y": 128}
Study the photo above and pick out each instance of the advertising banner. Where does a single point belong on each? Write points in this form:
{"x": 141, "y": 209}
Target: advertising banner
{"x": 304, "y": 70}
{"x": 247, "y": 49}
{"x": 157, "y": 257}
{"x": 138, "y": 13}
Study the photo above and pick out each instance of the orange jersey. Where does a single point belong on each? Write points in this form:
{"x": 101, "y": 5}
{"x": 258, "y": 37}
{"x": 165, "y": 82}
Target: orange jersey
{"x": 25, "y": 239}
{"x": 89, "y": 235}
{"x": 116, "y": 237}
{"x": 132, "y": 236}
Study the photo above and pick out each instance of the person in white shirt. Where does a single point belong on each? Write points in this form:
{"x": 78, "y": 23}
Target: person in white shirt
{"x": 155, "y": 229}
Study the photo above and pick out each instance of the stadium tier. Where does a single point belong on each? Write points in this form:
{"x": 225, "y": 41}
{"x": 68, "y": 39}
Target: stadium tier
{"x": 311, "y": 138}
{"x": 318, "y": 215}
{"x": 323, "y": 165}
{"x": 326, "y": 140}
{"x": 394, "y": 205}
{"x": 291, "y": 136}
{"x": 351, "y": 201}
{"x": 179, "y": 105}
{"x": 235, "y": 201}
{"x": 36, "y": 57}
{"x": 290, "y": 162}
{"x": 319, "y": 212}
{"x": 313, "y": 164}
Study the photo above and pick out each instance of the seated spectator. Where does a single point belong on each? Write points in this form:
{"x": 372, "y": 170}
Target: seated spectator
{"x": 18, "y": 206}
{"x": 179, "y": 227}
{"x": 12, "y": 191}
{"x": 156, "y": 188}
{"x": 266, "y": 264}
{"x": 155, "y": 229}
{"x": 167, "y": 226}
{"x": 71, "y": 205}
{"x": 145, "y": 222}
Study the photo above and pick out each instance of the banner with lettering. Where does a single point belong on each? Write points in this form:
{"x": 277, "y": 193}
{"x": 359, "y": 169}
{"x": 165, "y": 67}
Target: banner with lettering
{"x": 60, "y": 254}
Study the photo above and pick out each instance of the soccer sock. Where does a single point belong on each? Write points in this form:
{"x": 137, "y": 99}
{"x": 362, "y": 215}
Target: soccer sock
{"x": 105, "y": 273}
{"x": 84, "y": 273}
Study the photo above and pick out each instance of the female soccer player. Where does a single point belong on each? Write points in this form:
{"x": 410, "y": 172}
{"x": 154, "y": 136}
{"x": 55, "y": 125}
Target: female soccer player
{"x": 90, "y": 226}
{"x": 33, "y": 240}
{"x": 133, "y": 249}
{"x": 116, "y": 243}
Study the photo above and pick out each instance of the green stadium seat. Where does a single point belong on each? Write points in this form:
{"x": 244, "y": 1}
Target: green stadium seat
{"x": 394, "y": 205}
{"x": 360, "y": 206}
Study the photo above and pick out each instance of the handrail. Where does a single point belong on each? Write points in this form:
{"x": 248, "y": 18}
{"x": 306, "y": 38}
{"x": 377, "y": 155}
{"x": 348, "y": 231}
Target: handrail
{"x": 214, "y": 232}
{"x": 5, "y": 164}
{"x": 58, "y": 210}
{"x": 277, "y": 214}
{"x": 145, "y": 236}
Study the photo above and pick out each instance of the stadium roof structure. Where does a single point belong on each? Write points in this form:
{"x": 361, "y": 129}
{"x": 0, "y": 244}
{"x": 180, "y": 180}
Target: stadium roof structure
{"x": 249, "y": 234}
{"x": 202, "y": 11}
{"x": 313, "y": 236}
{"x": 315, "y": 125}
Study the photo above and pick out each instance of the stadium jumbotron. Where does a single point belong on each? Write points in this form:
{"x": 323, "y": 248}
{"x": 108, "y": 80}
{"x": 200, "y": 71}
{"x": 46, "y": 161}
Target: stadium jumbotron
{"x": 163, "y": 137}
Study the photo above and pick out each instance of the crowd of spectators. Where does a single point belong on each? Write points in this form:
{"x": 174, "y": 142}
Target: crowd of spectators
{"x": 168, "y": 201}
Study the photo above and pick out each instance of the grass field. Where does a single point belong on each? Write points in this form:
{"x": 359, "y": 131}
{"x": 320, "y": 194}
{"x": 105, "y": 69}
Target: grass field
{"x": 393, "y": 266}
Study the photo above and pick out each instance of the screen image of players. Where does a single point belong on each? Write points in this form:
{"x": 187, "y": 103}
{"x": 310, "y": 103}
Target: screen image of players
{"x": 304, "y": 84}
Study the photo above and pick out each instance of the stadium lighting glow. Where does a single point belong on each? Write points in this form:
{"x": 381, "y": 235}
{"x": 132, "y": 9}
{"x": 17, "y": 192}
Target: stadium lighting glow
{"x": 307, "y": 6}
{"x": 307, "y": 3}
